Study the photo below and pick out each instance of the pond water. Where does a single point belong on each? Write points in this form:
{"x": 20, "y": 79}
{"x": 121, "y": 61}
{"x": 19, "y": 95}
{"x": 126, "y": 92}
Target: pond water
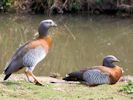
{"x": 78, "y": 41}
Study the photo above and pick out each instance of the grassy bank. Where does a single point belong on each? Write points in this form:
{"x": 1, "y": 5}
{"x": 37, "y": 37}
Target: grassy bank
{"x": 22, "y": 90}
{"x": 68, "y": 6}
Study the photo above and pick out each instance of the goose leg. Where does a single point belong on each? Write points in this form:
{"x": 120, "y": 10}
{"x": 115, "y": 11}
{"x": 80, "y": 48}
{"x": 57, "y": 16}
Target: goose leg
{"x": 29, "y": 73}
{"x": 28, "y": 77}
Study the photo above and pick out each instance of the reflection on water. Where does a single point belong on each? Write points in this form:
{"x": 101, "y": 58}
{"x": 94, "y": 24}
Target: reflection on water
{"x": 79, "y": 41}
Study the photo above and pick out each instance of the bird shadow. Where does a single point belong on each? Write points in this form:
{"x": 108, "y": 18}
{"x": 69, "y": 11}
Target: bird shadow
{"x": 9, "y": 83}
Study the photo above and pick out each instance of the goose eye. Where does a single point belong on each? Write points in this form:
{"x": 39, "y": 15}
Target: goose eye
{"x": 46, "y": 22}
{"x": 50, "y": 22}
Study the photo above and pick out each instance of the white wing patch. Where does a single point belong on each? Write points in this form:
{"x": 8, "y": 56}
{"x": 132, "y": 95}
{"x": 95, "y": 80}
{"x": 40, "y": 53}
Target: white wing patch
{"x": 33, "y": 57}
{"x": 95, "y": 77}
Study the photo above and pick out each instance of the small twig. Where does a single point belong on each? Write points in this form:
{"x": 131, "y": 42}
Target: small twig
{"x": 64, "y": 5}
{"x": 70, "y": 31}
{"x": 122, "y": 94}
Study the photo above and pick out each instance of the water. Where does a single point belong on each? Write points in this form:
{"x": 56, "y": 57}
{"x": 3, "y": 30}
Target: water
{"x": 78, "y": 41}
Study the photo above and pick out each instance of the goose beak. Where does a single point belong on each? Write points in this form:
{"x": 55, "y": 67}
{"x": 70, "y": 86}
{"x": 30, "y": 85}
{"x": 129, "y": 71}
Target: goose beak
{"x": 117, "y": 60}
{"x": 54, "y": 24}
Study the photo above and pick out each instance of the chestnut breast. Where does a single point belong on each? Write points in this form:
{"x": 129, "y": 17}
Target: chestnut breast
{"x": 45, "y": 42}
{"x": 115, "y": 73}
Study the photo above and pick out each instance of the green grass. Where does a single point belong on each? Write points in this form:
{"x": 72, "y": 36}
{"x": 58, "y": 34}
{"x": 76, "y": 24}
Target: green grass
{"x": 128, "y": 88}
{"x": 22, "y": 90}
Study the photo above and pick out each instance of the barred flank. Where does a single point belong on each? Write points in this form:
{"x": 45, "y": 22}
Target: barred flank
{"x": 95, "y": 77}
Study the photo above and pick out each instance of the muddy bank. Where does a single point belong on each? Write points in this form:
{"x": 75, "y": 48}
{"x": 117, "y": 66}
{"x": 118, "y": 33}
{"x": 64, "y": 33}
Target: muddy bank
{"x": 43, "y": 79}
{"x": 48, "y": 79}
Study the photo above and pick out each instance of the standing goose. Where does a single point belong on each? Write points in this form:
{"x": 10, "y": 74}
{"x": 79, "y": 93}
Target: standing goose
{"x": 108, "y": 73}
{"x": 31, "y": 53}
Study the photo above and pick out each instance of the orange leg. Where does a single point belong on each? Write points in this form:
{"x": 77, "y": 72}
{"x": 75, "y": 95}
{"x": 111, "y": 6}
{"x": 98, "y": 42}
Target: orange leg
{"x": 28, "y": 74}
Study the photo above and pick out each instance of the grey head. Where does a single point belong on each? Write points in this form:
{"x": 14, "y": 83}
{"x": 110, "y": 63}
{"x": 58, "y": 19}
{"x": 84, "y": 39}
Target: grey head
{"x": 44, "y": 26}
{"x": 108, "y": 61}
